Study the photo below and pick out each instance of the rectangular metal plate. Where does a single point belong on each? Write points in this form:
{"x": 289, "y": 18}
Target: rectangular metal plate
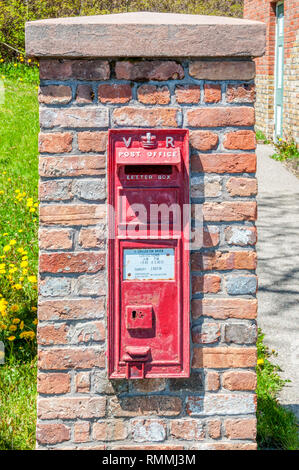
{"x": 149, "y": 264}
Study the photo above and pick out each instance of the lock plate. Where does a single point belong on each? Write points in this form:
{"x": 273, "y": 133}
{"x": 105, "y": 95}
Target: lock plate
{"x": 139, "y": 317}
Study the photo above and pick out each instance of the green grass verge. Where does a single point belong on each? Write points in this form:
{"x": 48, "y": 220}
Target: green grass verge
{"x": 18, "y": 405}
{"x": 276, "y": 426}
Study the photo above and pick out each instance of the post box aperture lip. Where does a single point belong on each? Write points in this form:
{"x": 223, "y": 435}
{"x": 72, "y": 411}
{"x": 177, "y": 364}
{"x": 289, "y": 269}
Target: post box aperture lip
{"x": 148, "y": 272}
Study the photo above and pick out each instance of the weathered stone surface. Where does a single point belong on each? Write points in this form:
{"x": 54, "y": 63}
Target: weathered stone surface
{"x": 237, "y": 285}
{"x": 222, "y": 70}
{"x": 221, "y": 404}
{"x": 145, "y": 34}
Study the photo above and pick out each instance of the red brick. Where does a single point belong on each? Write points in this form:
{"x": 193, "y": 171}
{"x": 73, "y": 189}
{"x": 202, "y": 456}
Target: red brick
{"x": 187, "y": 429}
{"x": 71, "y": 358}
{"x": 114, "y": 93}
{"x": 240, "y": 428}
{"x": 240, "y": 235}
{"x": 224, "y": 308}
{"x": 74, "y": 117}
{"x": 241, "y": 380}
{"x": 229, "y": 211}
{"x": 72, "y": 166}
{"x": 210, "y": 236}
{"x": 240, "y": 140}
{"x": 220, "y": 117}
{"x": 244, "y": 93}
{"x": 149, "y": 70}
{"x": 214, "y": 428}
{"x": 206, "y": 284}
{"x": 91, "y": 238}
{"x": 222, "y": 70}
{"x": 52, "y": 433}
{"x": 91, "y": 331}
{"x": 55, "y": 190}
{"x": 55, "y": 94}
{"x": 55, "y": 143}
{"x": 71, "y": 407}
{"x": 188, "y": 94}
{"x": 71, "y": 309}
{"x": 224, "y": 357}
{"x": 82, "y": 382}
{"x": 92, "y": 141}
{"x": 82, "y": 431}
{"x": 146, "y": 405}
{"x": 82, "y": 214}
{"x": 203, "y": 140}
{"x": 55, "y": 239}
{"x": 52, "y": 334}
{"x": 84, "y": 94}
{"x": 223, "y": 261}
{"x": 212, "y": 381}
{"x": 242, "y": 186}
{"x": 146, "y": 117}
{"x": 90, "y": 262}
{"x": 53, "y": 383}
{"x": 147, "y": 447}
{"x": 151, "y": 94}
{"x": 114, "y": 430}
{"x": 212, "y": 93}
{"x": 206, "y": 333}
{"x": 79, "y": 69}
{"x": 232, "y": 446}
{"x": 149, "y": 385}
{"x": 224, "y": 163}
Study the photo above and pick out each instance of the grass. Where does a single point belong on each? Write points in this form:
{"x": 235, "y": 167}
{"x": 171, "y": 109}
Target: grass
{"x": 276, "y": 426}
{"x": 18, "y": 262}
{"x": 18, "y": 406}
{"x": 260, "y": 137}
{"x": 18, "y": 222}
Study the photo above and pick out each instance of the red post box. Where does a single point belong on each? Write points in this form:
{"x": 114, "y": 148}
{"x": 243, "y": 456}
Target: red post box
{"x": 148, "y": 253}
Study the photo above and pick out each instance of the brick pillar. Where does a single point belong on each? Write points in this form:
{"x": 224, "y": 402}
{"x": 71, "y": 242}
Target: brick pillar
{"x": 133, "y": 70}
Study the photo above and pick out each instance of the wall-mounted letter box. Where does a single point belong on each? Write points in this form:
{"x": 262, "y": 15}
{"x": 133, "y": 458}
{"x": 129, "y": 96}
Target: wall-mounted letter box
{"x": 148, "y": 253}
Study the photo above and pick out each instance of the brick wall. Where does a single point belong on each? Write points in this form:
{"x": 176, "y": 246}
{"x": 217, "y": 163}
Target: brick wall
{"x": 264, "y": 10}
{"x": 78, "y": 407}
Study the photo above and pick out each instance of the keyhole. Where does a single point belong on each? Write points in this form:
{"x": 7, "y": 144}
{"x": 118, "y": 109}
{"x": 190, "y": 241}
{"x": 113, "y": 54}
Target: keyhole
{"x": 134, "y": 314}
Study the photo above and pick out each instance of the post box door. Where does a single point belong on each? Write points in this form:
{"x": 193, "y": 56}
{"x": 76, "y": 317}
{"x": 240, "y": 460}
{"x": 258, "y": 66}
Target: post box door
{"x": 148, "y": 253}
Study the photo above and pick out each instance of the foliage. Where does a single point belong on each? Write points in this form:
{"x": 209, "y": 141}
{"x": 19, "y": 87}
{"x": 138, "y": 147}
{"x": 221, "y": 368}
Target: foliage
{"x": 18, "y": 211}
{"x": 276, "y": 426}
{"x": 260, "y": 137}
{"x": 14, "y": 13}
{"x": 286, "y": 150}
{"x": 17, "y": 405}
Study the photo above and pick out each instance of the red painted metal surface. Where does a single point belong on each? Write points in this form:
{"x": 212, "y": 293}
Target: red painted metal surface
{"x": 148, "y": 253}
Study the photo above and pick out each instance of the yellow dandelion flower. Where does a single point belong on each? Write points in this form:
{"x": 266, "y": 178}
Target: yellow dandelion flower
{"x": 32, "y": 279}
{"x": 33, "y": 309}
{"x": 17, "y": 286}
{"x": 11, "y": 338}
{"x": 3, "y": 76}
{"x": 13, "y": 328}
{"x": 1, "y": 192}
{"x": 20, "y": 250}
{"x": 5, "y": 234}
{"x": 260, "y": 362}
{"x": 9, "y": 180}
{"x": 24, "y": 264}
{"x": 14, "y": 308}
{"x": 7, "y": 248}
{"x": 15, "y": 65}
{"x": 12, "y": 242}
{"x": 24, "y": 258}
{"x": 32, "y": 209}
{"x": 20, "y": 231}
{"x": 25, "y": 271}
{"x": 22, "y": 325}
{"x": 21, "y": 279}
{"x": 16, "y": 321}
{"x": 35, "y": 322}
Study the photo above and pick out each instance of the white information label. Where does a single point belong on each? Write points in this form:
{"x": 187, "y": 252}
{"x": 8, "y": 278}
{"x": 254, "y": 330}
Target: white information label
{"x": 156, "y": 263}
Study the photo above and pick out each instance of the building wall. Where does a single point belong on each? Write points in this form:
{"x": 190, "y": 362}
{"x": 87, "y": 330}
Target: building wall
{"x": 264, "y": 10}
{"x": 78, "y": 407}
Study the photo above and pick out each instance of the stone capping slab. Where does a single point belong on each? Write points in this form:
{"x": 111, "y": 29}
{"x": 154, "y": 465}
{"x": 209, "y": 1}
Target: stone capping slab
{"x": 145, "y": 34}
